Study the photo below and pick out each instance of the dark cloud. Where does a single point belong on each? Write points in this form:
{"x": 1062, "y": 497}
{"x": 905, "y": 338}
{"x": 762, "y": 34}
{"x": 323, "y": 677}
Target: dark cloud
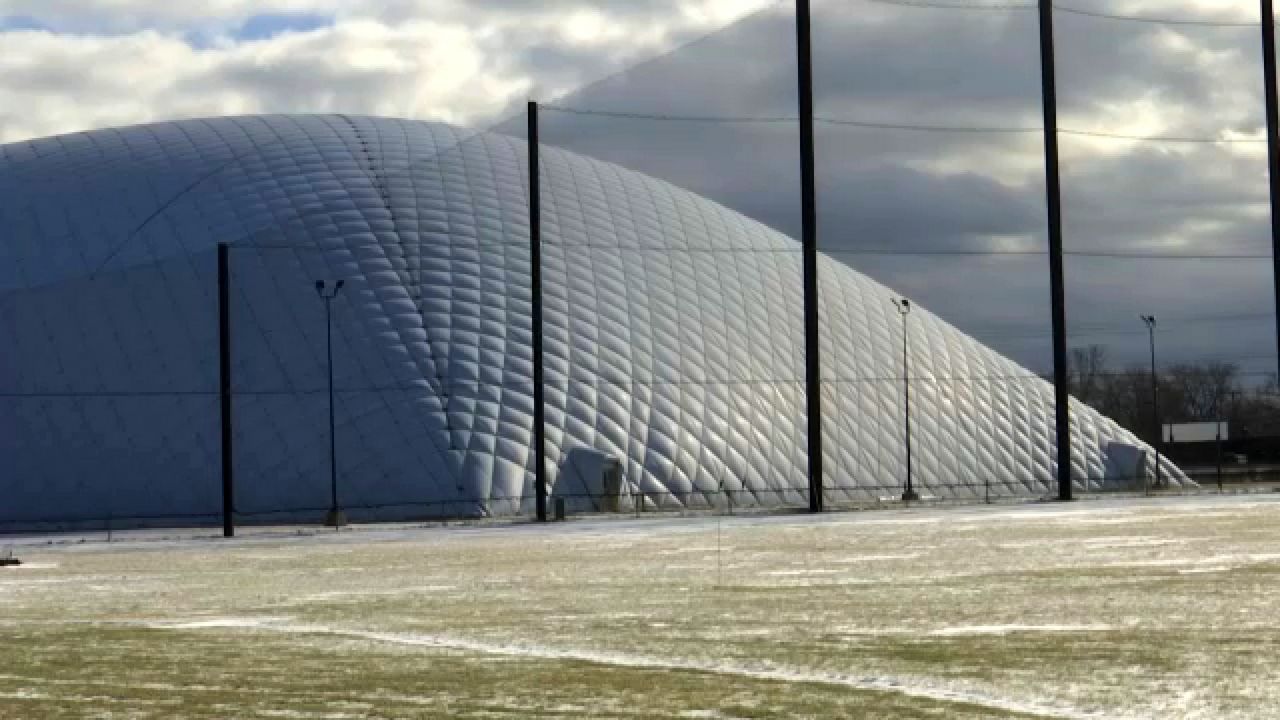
{"x": 894, "y": 190}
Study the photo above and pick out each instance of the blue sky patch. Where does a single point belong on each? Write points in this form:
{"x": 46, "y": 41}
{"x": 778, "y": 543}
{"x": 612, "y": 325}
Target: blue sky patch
{"x": 261, "y": 27}
{"x": 21, "y": 22}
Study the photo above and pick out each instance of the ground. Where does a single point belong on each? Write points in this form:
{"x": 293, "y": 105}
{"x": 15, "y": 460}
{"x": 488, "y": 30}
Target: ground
{"x": 1102, "y": 608}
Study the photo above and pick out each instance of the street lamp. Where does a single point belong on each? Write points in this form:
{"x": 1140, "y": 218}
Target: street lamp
{"x": 904, "y": 309}
{"x": 1150, "y": 321}
{"x": 335, "y": 518}
{"x": 1217, "y": 435}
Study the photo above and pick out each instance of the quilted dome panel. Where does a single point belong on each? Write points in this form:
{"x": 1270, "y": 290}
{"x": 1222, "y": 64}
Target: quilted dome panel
{"x": 673, "y": 335}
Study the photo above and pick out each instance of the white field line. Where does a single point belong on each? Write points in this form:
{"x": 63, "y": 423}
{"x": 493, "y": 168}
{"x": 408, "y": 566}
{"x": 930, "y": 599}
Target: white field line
{"x": 965, "y": 630}
{"x": 243, "y": 623}
{"x": 24, "y": 695}
{"x": 310, "y": 715}
{"x": 1216, "y": 561}
{"x": 763, "y": 671}
{"x": 873, "y": 558}
{"x": 1136, "y": 541}
{"x": 806, "y": 571}
{"x": 970, "y": 630}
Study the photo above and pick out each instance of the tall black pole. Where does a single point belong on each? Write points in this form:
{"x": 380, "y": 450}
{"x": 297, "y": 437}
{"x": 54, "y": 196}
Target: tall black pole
{"x": 809, "y": 251}
{"x": 1057, "y": 293}
{"x": 535, "y": 272}
{"x": 1273, "y": 148}
{"x": 224, "y": 389}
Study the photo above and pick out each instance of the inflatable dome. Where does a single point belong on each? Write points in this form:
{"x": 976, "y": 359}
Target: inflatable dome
{"x": 673, "y": 338}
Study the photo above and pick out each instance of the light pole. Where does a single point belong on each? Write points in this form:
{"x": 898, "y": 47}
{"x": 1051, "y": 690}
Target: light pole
{"x": 335, "y": 518}
{"x": 1217, "y": 439}
{"x": 904, "y": 309}
{"x": 1150, "y": 321}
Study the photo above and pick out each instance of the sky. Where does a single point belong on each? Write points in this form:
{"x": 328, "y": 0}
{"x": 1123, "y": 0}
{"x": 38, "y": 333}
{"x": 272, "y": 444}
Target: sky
{"x": 887, "y": 196}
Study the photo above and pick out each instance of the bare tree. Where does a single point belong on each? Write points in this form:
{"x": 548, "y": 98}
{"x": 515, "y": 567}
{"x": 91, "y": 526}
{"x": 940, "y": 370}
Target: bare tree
{"x": 1189, "y": 392}
{"x": 1126, "y": 398}
{"x": 1086, "y": 373}
{"x": 1197, "y": 392}
{"x": 1256, "y": 412}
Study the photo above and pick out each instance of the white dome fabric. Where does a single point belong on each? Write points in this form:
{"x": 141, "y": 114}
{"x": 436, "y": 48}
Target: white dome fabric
{"x": 673, "y": 336}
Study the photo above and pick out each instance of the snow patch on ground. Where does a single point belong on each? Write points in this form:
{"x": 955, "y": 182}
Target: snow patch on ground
{"x": 31, "y": 566}
{"x": 1134, "y": 541}
{"x": 310, "y": 715}
{"x": 340, "y": 594}
{"x": 900, "y": 520}
{"x": 23, "y": 695}
{"x": 692, "y": 549}
{"x": 963, "y": 630}
{"x": 969, "y": 630}
{"x": 218, "y": 622}
{"x": 806, "y": 571}
{"x": 1215, "y": 563}
{"x": 874, "y": 558}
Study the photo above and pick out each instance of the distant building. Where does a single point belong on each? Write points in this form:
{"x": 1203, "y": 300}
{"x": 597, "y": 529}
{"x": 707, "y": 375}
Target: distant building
{"x": 1196, "y": 432}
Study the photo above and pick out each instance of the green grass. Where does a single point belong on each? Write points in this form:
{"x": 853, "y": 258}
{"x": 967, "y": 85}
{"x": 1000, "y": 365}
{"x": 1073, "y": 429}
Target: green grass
{"x": 75, "y": 671}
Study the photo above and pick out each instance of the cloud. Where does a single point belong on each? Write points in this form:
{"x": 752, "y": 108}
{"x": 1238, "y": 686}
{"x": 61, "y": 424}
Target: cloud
{"x": 71, "y": 65}
{"x": 54, "y": 84}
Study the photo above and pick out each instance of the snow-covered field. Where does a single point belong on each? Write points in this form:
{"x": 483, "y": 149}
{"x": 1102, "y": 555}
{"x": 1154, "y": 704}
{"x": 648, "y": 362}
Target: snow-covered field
{"x": 1117, "y": 608}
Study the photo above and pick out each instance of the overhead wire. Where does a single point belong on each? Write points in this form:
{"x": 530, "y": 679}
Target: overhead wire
{"x": 999, "y": 7}
{"x": 875, "y": 125}
{"x": 1145, "y": 372}
{"x": 830, "y": 251}
{"x": 1070, "y": 10}
{"x": 765, "y": 7}
{"x": 1195, "y": 22}
{"x": 1108, "y": 254}
{"x": 1088, "y": 329}
{"x": 924, "y": 376}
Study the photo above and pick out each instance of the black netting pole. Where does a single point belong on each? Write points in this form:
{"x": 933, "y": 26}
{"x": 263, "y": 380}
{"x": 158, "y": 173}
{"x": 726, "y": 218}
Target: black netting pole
{"x": 1273, "y": 144}
{"x": 809, "y": 250}
{"x": 535, "y": 272}
{"x": 1053, "y": 197}
{"x": 224, "y": 389}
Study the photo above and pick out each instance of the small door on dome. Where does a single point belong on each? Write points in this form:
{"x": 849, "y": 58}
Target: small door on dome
{"x": 590, "y": 481}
